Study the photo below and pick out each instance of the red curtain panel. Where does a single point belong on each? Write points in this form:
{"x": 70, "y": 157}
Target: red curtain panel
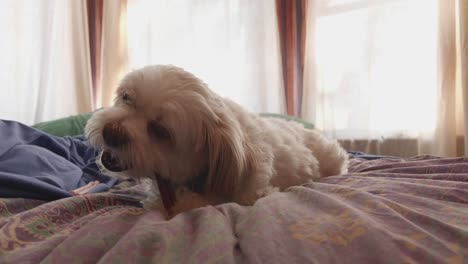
{"x": 292, "y": 27}
{"x": 94, "y": 8}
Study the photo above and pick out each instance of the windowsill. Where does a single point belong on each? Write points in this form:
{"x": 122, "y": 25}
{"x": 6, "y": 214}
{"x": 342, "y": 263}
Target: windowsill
{"x": 399, "y": 147}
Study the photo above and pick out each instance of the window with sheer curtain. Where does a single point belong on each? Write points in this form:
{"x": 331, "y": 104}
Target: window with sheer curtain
{"x": 231, "y": 45}
{"x": 376, "y": 65}
{"x": 381, "y": 73}
{"x": 44, "y": 60}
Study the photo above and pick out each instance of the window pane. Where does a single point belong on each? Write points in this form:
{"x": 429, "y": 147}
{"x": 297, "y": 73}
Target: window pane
{"x": 233, "y": 46}
{"x": 377, "y": 70}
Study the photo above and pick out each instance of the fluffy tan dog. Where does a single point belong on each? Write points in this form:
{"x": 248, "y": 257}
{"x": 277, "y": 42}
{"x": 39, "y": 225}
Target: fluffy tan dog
{"x": 167, "y": 122}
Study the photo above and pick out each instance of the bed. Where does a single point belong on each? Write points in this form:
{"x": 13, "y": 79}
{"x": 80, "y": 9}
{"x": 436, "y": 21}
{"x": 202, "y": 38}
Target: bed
{"x": 385, "y": 210}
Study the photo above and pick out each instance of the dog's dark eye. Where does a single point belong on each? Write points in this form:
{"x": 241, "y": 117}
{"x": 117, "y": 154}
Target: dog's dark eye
{"x": 158, "y": 132}
{"x": 126, "y": 97}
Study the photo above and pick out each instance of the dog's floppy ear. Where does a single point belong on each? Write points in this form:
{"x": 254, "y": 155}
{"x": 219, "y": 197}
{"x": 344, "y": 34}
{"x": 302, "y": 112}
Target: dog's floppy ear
{"x": 229, "y": 157}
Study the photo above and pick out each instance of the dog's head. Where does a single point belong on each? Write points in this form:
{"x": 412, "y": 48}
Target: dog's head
{"x": 166, "y": 121}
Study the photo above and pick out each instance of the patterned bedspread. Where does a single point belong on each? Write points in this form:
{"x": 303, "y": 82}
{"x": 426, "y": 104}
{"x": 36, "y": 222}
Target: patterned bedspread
{"x": 383, "y": 211}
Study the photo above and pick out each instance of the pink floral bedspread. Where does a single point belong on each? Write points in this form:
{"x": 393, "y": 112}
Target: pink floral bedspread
{"x": 384, "y": 211}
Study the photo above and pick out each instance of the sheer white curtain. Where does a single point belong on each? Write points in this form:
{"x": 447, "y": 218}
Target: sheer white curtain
{"x": 382, "y": 70}
{"x": 232, "y": 45}
{"x": 44, "y": 66}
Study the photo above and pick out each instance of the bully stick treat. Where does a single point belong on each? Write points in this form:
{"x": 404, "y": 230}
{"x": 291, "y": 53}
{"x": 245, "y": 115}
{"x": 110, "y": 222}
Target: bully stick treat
{"x": 167, "y": 193}
{"x": 109, "y": 164}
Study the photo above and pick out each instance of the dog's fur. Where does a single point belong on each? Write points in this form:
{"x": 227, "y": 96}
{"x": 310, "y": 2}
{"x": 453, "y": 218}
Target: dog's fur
{"x": 167, "y": 121}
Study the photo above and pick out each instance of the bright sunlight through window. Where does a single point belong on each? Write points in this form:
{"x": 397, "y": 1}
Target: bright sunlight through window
{"x": 231, "y": 45}
{"x": 377, "y": 68}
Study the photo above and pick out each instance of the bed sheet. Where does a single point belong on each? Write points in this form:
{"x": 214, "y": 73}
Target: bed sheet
{"x": 386, "y": 210}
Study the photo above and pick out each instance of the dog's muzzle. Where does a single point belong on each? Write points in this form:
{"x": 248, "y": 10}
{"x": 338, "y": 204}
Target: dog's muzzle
{"x": 114, "y": 135}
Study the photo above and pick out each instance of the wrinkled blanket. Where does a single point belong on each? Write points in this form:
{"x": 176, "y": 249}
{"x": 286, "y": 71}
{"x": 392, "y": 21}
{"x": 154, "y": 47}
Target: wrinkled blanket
{"x": 384, "y": 211}
{"x": 37, "y": 165}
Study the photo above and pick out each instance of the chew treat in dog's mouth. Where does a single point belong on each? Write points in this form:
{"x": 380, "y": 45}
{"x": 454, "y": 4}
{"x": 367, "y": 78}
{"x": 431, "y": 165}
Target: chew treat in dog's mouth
{"x": 166, "y": 190}
{"x": 111, "y": 162}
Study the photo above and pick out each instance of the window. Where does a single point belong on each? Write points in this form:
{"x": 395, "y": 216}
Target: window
{"x": 376, "y": 67}
{"x": 231, "y": 45}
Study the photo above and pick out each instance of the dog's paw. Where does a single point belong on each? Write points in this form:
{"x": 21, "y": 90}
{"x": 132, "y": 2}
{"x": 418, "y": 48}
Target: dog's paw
{"x": 187, "y": 200}
{"x": 266, "y": 191}
{"x": 251, "y": 197}
{"x": 152, "y": 204}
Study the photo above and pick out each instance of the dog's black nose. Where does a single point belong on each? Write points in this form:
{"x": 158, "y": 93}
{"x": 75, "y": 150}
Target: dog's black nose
{"x": 114, "y": 135}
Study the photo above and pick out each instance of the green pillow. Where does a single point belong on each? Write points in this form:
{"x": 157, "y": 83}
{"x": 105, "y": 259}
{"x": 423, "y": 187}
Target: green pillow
{"x": 74, "y": 125}
{"x": 68, "y": 126}
{"x": 289, "y": 118}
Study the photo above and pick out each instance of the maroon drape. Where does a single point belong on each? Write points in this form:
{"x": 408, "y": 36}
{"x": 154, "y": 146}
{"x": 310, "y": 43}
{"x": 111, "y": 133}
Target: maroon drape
{"x": 94, "y": 10}
{"x": 292, "y": 27}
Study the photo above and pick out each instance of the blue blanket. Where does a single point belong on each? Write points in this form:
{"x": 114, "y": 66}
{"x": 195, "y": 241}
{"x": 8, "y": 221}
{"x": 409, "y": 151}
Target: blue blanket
{"x": 363, "y": 155}
{"x": 37, "y": 165}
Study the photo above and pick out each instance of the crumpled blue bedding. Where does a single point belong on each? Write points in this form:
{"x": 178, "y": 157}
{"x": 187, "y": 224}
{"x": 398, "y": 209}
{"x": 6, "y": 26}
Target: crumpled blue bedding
{"x": 37, "y": 165}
